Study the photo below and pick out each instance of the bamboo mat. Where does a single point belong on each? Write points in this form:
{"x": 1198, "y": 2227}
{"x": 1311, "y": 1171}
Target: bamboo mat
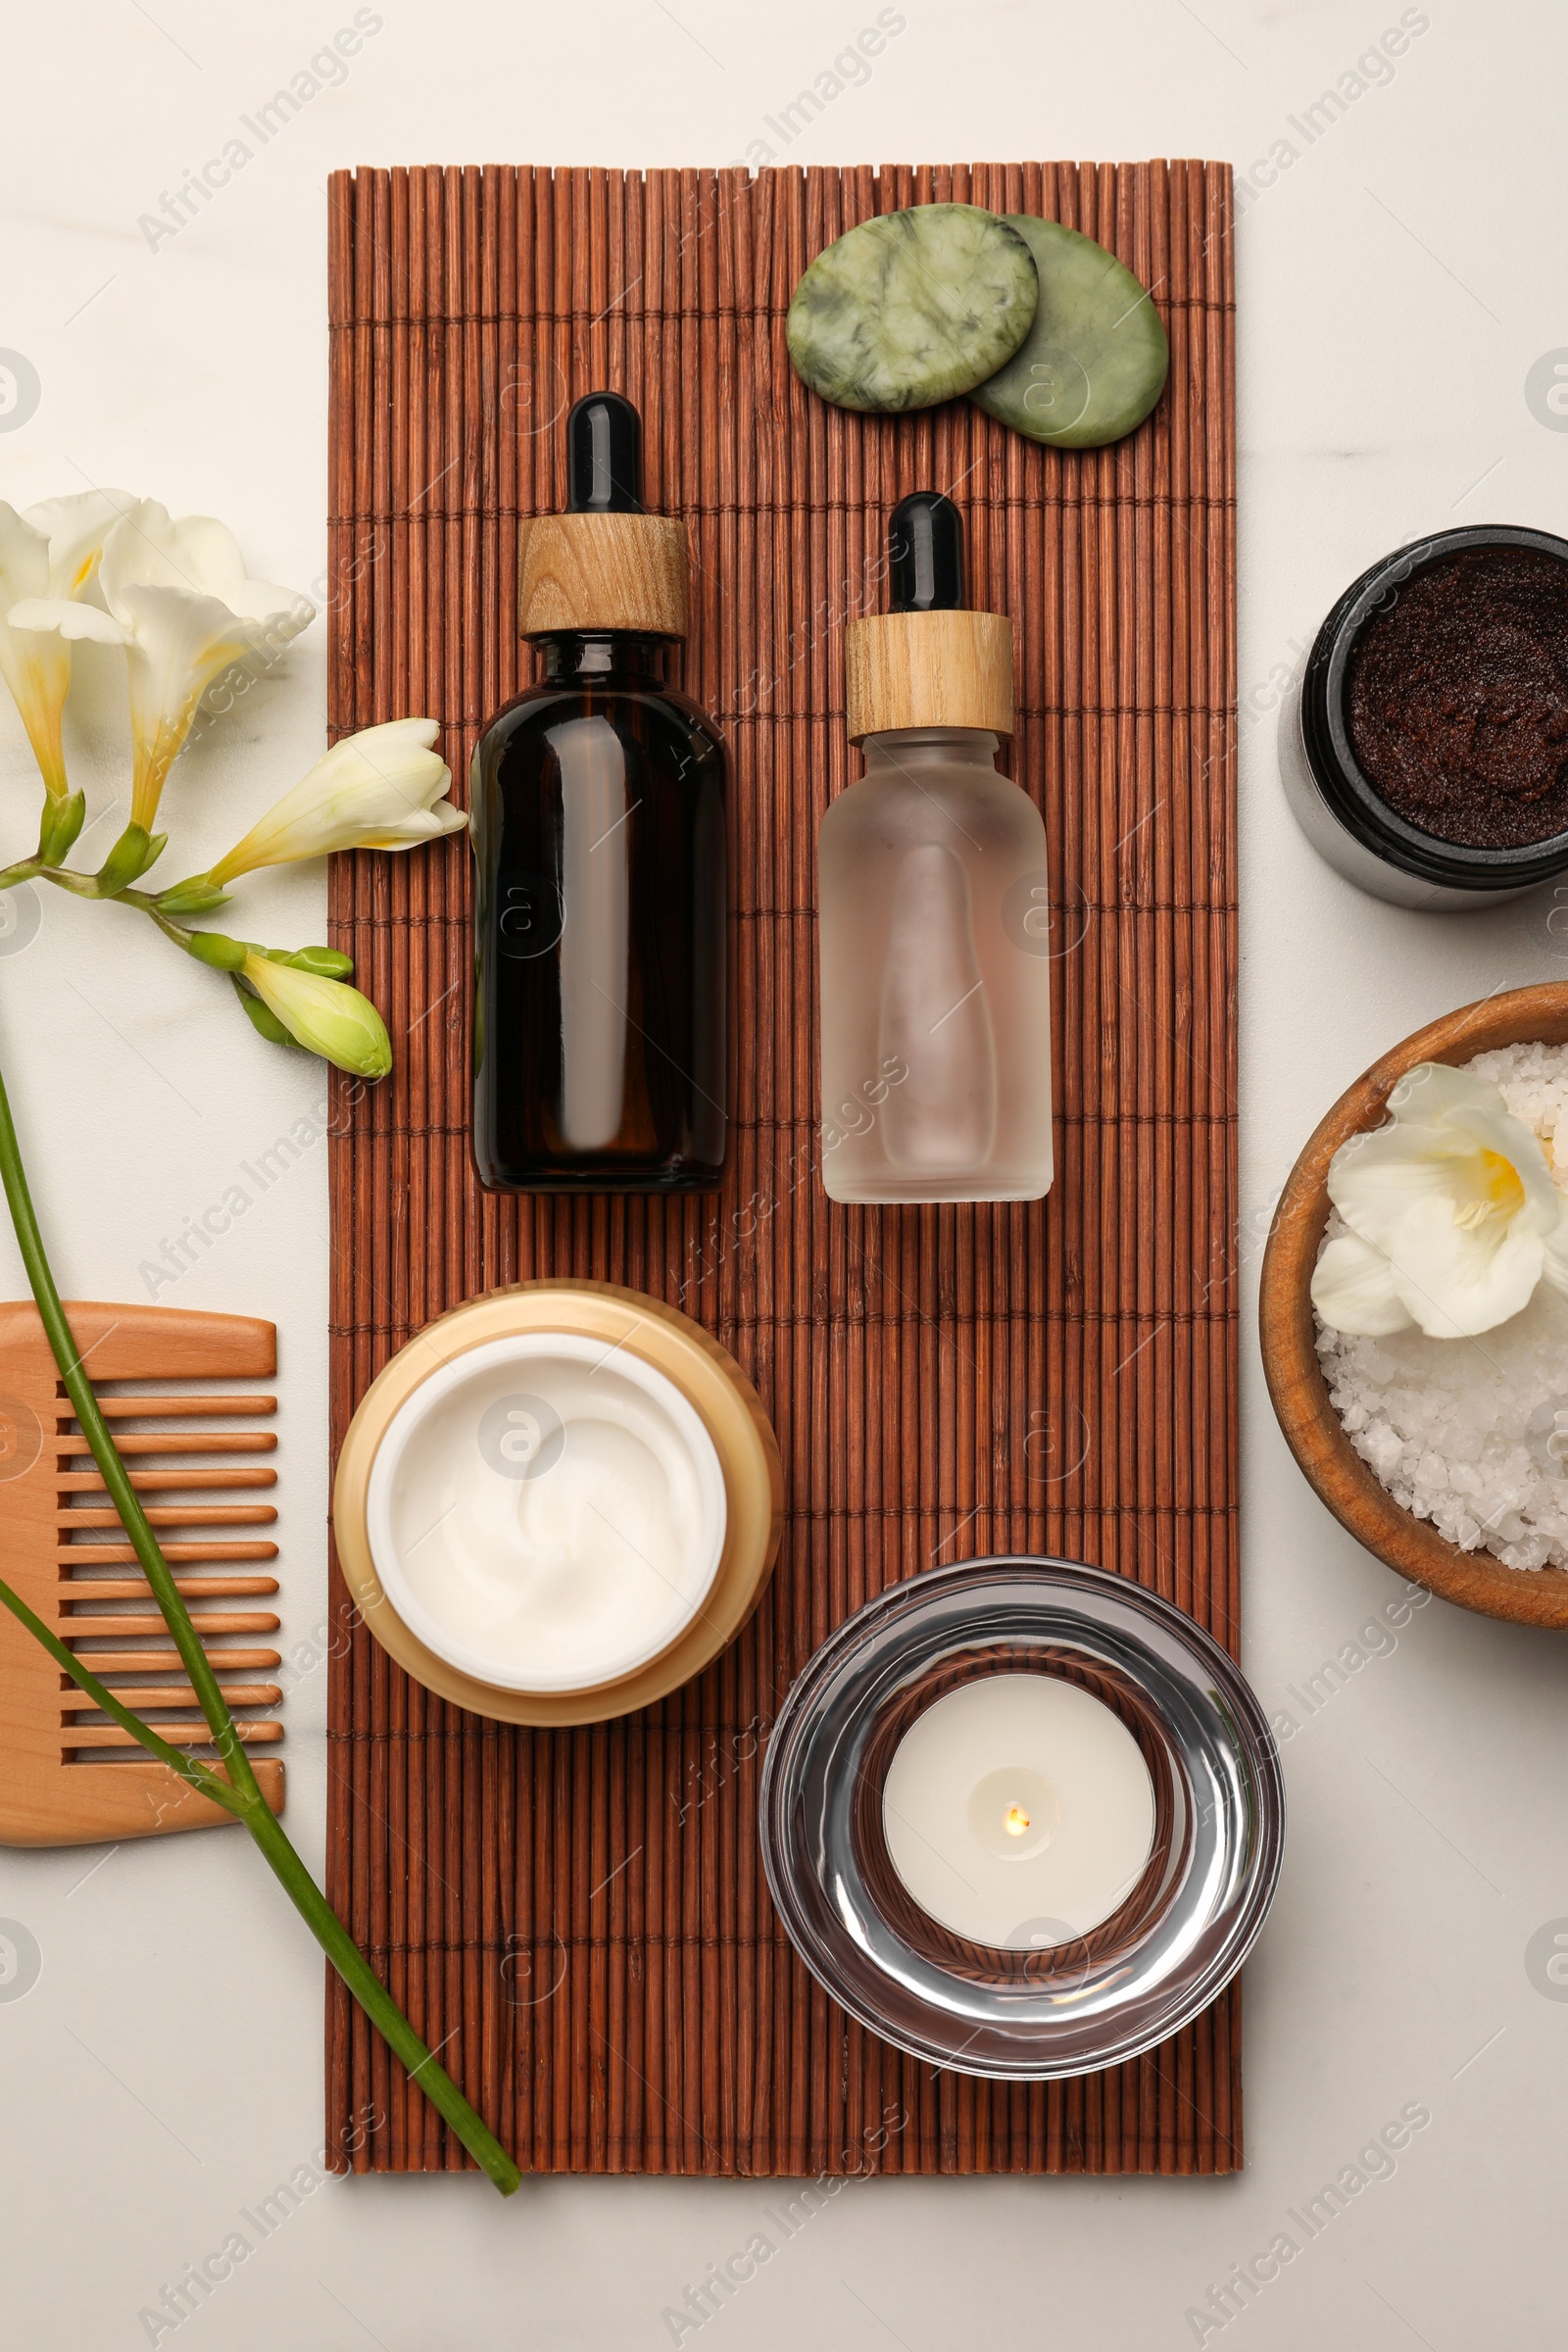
{"x": 578, "y": 1921}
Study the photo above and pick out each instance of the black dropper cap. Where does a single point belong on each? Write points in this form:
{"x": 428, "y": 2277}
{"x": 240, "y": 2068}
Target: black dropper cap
{"x": 604, "y": 455}
{"x": 925, "y": 552}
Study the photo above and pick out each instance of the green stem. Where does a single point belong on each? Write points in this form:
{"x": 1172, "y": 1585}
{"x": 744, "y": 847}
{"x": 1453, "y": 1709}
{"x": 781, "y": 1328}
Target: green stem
{"x": 85, "y": 886}
{"x": 144, "y": 902}
{"x": 22, "y": 872}
{"x": 81, "y": 886}
{"x": 122, "y": 1493}
{"x": 244, "y": 1795}
{"x": 201, "y": 1777}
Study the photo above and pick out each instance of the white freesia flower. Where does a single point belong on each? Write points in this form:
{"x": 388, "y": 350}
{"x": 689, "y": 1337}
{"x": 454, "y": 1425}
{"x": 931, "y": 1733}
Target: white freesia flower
{"x": 325, "y": 1016}
{"x": 49, "y": 553}
{"x": 180, "y": 604}
{"x": 1453, "y": 1212}
{"x": 382, "y": 789}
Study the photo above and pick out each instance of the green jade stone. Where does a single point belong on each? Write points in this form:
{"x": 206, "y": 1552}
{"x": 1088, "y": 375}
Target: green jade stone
{"x": 911, "y": 307}
{"x": 1093, "y": 363}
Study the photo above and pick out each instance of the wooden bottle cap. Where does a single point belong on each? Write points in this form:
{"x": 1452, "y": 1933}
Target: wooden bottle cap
{"x": 601, "y": 571}
{"x": 928, "y": 669}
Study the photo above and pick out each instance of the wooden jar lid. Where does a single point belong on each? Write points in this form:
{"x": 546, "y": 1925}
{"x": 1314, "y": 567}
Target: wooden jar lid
{"x": 928, "y": 669}
{"x": 600, "y": 571}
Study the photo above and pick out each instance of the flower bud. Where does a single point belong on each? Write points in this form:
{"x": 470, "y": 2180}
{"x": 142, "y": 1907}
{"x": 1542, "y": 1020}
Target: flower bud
{"x": 222, "y": 954}
{"x": 324, "y": 1015}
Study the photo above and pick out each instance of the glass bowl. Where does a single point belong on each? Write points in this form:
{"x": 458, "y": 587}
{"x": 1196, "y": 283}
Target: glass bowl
{"x": 1080, "y": 2001}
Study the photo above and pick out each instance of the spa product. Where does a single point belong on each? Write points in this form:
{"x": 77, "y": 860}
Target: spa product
{"x": 1094, "y": 360}
{"x": 911, "y": 307}
{"x": 1424, "y": 754}
{"x": 1018, "y": 1811}
{"x": 1458, "y": 699}
{"x": 597, "y": 807}
{"x": 948, "y": 1707}
{"x": 1472, "y": 1433}
{"x": 1045, "y": 329}
{"x": 546, "y": 1513}
{"x": 934, "y": 913}
{"x": 70, "y": 1775}
{"x": 537, "y": 1439}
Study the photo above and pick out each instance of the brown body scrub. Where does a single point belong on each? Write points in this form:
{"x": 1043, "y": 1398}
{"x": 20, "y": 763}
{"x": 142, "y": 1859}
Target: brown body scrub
{"x": 1457, "y": 698}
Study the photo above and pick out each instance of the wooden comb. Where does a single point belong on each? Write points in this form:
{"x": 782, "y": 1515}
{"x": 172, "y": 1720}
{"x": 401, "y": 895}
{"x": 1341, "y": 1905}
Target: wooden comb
{"x": 70, "y": 1776}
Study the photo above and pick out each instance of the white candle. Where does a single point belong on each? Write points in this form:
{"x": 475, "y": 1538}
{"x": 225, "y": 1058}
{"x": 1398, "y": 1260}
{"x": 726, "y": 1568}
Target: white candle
{"x": 1018, "y": 1811}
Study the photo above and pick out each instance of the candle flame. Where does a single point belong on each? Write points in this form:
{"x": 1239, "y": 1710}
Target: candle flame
{"x": 1016, "y": 1821}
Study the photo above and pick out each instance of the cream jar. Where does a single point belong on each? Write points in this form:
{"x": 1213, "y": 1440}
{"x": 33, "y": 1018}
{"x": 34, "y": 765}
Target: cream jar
{"x": 546, "y": 1514}
{"x": 557, "y": 1502}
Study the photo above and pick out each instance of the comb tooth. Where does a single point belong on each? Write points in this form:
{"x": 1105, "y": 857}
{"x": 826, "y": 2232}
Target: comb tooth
{"x": 177, "y": 1515}
{"x": 105, "y": 1555}
{"x": 178, "y": 1734}
{"x": 178, "y": 1441}
{"x": 107, "y": 1663}
{"x": 160, "y": 1408}
{"x": 95, "y": 1588}
{"x": 149, "y": 1482}
{"x": 109, "y": 1628}
{"x": 175, "y": 1694}
{"x": 193, "y": 1458}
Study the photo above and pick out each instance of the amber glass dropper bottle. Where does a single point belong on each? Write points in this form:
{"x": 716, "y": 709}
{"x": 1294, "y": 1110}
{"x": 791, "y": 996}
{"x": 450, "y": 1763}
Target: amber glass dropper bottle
{"x": 597, "y": 821}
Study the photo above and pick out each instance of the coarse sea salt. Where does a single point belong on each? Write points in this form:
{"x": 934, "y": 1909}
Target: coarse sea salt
{"x": 1473, "y": 1433}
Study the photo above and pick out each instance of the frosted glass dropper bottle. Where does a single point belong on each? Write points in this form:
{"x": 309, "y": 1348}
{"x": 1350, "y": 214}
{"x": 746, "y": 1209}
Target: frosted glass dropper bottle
{"x": 934, "y": 916}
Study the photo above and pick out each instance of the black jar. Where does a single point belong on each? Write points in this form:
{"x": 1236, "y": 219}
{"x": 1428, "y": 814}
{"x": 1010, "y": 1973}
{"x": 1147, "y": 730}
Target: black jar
{"x": 1339, "y": 808}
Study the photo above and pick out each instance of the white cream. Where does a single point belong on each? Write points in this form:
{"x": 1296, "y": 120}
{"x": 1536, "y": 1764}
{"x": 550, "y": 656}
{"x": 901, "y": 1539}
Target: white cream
{"x": 547, "y": 1512}
{"x": 1018, "y": 1811}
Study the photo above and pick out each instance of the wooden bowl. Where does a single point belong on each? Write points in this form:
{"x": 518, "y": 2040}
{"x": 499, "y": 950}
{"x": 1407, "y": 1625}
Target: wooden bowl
{"x": 1296, "y": 1383}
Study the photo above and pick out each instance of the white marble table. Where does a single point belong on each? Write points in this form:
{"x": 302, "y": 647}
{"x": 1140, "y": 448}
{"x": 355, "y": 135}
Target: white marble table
{"x": 1402, "y": 263}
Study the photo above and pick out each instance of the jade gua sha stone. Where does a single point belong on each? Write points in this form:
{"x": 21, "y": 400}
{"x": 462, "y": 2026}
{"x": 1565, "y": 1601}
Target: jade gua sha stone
{"x": 597, "y": 809}
{"x": 911, "y": 307}
{"x": 1094, "y": 360}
